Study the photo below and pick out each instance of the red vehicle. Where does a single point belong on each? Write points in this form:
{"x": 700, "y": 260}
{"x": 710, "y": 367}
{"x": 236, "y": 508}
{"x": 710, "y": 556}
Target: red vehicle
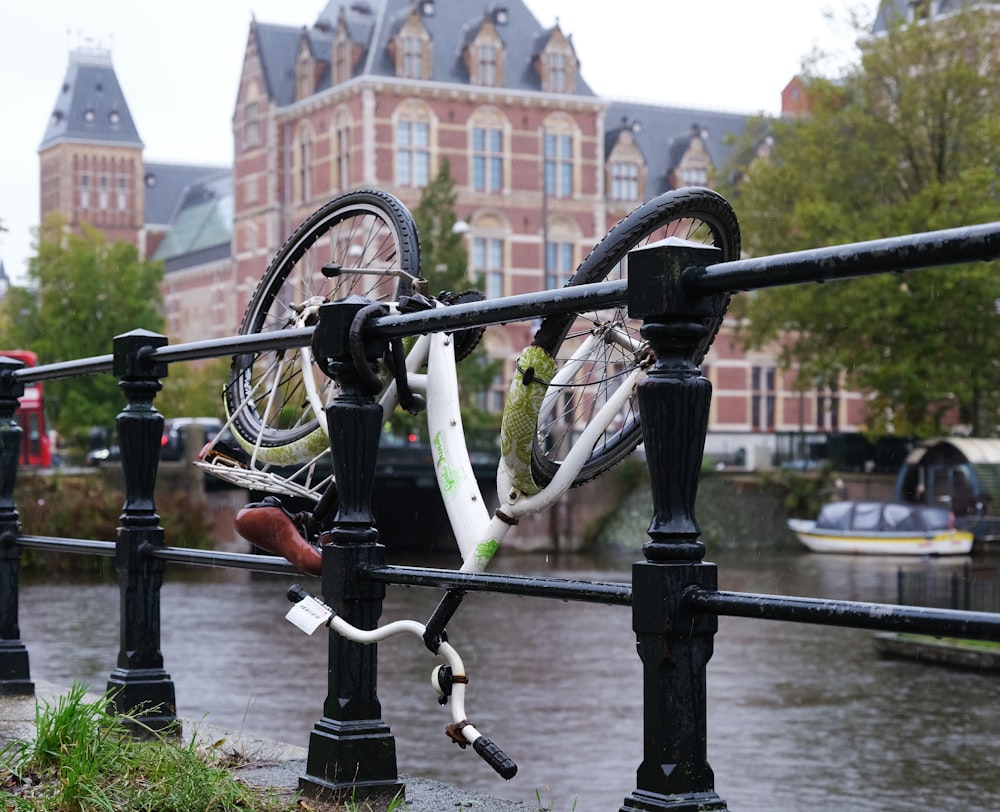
{"x": 35, "y": 446}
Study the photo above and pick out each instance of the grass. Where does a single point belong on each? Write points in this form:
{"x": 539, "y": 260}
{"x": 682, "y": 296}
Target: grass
{"x": 83, "y": 760}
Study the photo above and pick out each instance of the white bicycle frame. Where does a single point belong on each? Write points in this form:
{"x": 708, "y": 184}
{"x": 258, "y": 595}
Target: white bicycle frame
{"x": 478, "y": 534}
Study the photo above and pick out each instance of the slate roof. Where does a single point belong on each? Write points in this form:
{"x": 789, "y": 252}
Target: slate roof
{"x": 664, "y": 134}
{"x": 372, "y": 24}
{"x": 166, "y": 185}
{"x": 90, "y": 105}
{"x": 201, "y": 229}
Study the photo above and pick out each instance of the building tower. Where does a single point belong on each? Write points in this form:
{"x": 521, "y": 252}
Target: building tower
{"x": 91, "y": 155}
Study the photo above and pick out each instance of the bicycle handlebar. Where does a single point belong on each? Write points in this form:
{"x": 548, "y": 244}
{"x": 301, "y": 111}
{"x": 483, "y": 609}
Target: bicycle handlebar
{"x": 309, "y": 614}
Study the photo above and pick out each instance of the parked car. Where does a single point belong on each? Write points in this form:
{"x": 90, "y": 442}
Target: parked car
{"x": 176, "y": 430}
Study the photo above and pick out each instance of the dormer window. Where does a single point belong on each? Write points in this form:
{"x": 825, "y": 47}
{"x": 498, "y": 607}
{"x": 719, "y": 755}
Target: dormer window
{"x": 626, "y": 167}
{"x": 557, "y": 72}
{"x": 557, "y": 64}
{"x": 411, "y": 50}
{"x": 487, "y": 59}
{"x": 342, "y": 67}
{"x": 484, "y": 56}
{"x": 304, "y": 73}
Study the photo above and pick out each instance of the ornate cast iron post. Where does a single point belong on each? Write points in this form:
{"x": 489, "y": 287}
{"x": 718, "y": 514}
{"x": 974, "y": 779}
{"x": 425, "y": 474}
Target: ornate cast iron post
{"x": 674, "y": 645}
{"x": 142, "y": 687}
{"x": 351, "y": 750}
{"x": 15, "y": 679}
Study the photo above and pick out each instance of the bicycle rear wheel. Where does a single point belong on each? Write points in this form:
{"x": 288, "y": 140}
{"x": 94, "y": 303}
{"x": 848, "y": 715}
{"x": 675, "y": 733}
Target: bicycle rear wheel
{"x": 362, "y": 243}
{"x": 592, "y": 371}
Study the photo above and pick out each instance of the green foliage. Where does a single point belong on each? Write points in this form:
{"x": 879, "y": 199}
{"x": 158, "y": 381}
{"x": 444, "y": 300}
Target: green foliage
{"x": 194, "y": 391}
{"x": 85, "y": 507}
{"x": 84, "y": 759}
{"x": 82, "y": 292}
{"x": 907, "y": 141}
{"x": 803, "y": 494}
{"x": 444, "y": 262}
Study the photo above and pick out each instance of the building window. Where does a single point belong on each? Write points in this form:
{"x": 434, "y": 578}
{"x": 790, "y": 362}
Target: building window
{"x": 303, "y": 72}
{"x": 122, "y": 194}
{"x": 558, "y": 165}
{"x": 487, "y": 261}
{"x": 828, "y": 408}
{"x": 488, "y": 65}
{"x": 487, "y": 159}
{"x": 84, "y": 192}
{"x": 343, "y": 139}
{"x": 694, "y": 175}
{"x": 557, "y": 72}
{"x": 102, "y": 194}
{"x": 412, "y": 64}
{"x": 624, "y": 180}
{"x": 413, "y": 157}
{"x": 558, "y": 264}
{"x": 763, "y": 399}
{"x": 341, "y": 59}
{"x": 305, "y": 169}
{"x": 251, "y": 125}
{"x": 250, "y": 189}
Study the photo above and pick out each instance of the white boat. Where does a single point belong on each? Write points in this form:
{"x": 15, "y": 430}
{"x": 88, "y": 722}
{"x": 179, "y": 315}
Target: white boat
{"x": 882, "y": 528}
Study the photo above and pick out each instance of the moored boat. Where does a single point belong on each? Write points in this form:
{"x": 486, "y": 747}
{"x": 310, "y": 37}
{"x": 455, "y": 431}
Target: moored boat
{"x": 882, "y": 528}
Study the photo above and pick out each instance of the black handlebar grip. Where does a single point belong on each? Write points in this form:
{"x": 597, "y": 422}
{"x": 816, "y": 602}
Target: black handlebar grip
{"x": 495, "y": 757}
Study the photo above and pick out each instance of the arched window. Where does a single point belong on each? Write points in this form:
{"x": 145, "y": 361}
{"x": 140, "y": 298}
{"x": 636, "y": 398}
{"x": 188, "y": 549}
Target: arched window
{"x": 559, "y": 139}
{"x": 302, "y": 156}
{"x": 341, "y": 138}
{"x": 488, "y": 140}
{"x": 413, "y": 146}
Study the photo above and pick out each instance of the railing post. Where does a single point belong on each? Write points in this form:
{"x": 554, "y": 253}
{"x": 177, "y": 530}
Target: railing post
{"x": 674, "y": 646}
{"x": 351, "y": 750}
{"x": 142, "y": 689}
{"x": 15, "y": 675}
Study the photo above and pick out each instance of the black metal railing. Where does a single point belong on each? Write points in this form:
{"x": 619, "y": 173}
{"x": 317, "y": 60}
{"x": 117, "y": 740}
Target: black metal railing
{"x": 680, "y": 293}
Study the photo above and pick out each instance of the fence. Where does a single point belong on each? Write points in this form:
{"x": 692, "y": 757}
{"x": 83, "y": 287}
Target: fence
{"x": 969, "y": 587}
{"x": 675, "y": 602}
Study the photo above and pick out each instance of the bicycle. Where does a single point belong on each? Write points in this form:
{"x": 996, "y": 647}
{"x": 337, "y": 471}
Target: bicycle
{"x": 571, "y": 412}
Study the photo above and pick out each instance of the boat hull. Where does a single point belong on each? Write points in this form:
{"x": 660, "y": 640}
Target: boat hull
{"x": 937, "y": 542}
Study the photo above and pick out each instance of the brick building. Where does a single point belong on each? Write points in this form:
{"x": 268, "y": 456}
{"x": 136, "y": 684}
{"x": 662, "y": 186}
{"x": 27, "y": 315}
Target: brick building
{"x": 379, "y": 93}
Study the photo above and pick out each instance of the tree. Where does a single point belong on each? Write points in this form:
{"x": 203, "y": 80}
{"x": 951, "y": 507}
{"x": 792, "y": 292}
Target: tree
{"x": 444, "y": 262}
{"x": 907, "y": 140}
{"x": 82, "y": 292}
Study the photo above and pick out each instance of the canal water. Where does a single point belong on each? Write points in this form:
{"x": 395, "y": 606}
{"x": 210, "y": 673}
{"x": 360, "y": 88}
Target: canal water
{"x": 800, "y": 717}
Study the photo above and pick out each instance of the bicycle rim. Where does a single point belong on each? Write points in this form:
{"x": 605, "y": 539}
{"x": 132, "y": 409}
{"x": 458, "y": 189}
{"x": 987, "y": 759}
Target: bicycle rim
{"x": 276, "y": 398}
{"x": 588, "y": 374}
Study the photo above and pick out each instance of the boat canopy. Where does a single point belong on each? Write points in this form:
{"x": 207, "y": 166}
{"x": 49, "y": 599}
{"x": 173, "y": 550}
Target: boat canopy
{"x": 886, "y": 517}
{"x": 962, "y": 473}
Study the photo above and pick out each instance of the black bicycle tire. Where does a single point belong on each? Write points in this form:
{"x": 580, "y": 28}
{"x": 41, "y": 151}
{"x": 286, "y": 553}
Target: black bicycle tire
{"x": 677, "y": 205}
{"x": 394, "y": 212}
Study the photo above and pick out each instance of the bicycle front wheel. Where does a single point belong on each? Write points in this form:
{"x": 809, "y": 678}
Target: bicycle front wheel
{"x": 599, "y": 351}
{"x": 363, "y": 243}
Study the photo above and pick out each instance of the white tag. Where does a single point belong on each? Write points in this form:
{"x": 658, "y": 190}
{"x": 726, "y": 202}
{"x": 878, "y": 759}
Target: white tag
{"x": 309, "y": 614}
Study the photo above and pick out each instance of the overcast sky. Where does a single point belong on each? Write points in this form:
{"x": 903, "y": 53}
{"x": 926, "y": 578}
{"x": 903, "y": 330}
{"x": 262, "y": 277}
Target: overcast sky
{"x": 179, "y": 63}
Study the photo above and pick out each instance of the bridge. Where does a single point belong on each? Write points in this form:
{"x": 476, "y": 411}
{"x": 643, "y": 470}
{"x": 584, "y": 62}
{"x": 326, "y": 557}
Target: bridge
{"x": 673, "y": 595}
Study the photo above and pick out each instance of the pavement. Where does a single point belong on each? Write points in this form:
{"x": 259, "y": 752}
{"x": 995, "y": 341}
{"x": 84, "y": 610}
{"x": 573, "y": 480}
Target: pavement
{"x": 263, "y": 763}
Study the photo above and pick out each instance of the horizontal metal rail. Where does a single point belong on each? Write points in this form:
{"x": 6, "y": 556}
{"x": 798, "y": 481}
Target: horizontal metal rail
{"x": 950, "y": 246}
{"x": 239, "y": 561}
{"x": 178, "y": 555}
{"x": 853, "y": 614}
{"x": 894, "y": 254}
{"x": 63, "y": 545}
{"x": 566, "y": 589}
